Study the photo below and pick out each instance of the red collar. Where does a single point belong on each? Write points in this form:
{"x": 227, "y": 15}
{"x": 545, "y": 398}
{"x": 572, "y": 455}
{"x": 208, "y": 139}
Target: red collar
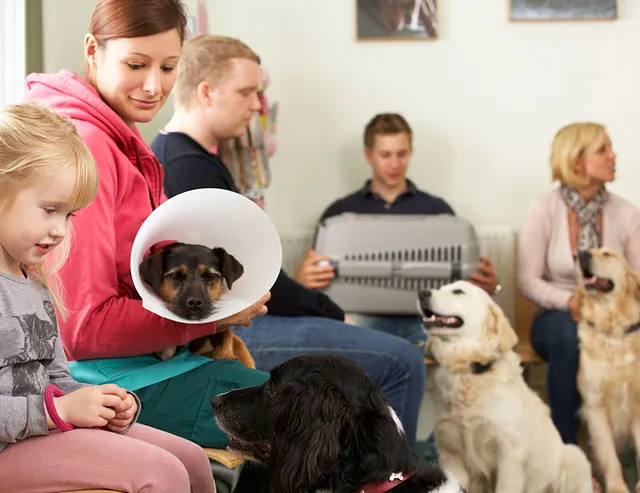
{"x": 394, "y": 480}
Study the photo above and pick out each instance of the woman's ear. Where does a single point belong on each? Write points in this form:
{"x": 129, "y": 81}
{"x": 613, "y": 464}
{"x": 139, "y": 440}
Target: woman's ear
{"x": 90, "y": 49}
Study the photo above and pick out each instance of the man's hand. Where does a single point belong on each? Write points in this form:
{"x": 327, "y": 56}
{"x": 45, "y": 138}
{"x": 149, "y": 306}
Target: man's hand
{"x": 245, "y": 316}
{"x": 485, "y": 276}
{"x": 314, "y": 276}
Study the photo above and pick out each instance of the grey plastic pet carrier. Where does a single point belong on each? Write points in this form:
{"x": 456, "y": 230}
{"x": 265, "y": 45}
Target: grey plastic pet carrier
{"x": 381, "y": 261}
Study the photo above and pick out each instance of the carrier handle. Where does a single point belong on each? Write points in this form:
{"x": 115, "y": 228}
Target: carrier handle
{"x": 395, "y": 269}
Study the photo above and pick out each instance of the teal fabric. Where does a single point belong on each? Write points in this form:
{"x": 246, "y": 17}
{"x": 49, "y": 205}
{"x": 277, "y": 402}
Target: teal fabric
{"x": 182, "y": 405}
{"x": 135, "y": 372}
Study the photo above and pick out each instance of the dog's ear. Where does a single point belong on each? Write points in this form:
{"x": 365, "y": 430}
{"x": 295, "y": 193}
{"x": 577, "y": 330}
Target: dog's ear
{"x": 633, "y": 283}
{"x": 576, "y": 308}
{"x": 230, "y": 268}
{"x": 498, "y": 326}
{"x": 305, "y": 446}
{"x": 151, "y": 269}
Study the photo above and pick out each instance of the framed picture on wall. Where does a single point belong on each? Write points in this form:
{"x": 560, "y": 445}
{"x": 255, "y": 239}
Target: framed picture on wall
{"x": 559, "y": 10}
{"x": 396, "y": 20}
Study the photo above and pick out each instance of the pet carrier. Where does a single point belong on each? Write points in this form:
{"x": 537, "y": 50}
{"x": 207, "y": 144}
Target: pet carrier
{"x": 381, "y": 261}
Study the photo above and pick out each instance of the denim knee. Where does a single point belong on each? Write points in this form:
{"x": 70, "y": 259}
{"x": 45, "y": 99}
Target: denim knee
{"x": 554, "y": 334}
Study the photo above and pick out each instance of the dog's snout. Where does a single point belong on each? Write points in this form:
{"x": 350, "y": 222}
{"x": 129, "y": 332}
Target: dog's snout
{"x": 216, "y": 403}
{"x": 194, "y": 303}
{"x": 584, "y": 257}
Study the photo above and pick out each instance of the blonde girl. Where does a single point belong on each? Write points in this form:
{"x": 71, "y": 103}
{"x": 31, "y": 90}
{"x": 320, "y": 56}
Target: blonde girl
{"x": 55, "y": 433}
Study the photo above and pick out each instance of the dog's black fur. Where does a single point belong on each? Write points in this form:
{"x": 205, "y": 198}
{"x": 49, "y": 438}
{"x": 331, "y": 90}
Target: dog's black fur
{"x": 320, "y": 423}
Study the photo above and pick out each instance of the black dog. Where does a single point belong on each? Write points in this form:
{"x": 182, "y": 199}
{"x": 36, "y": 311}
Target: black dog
{"x": 321, "y": 424}
{"x": 190, "y": 279}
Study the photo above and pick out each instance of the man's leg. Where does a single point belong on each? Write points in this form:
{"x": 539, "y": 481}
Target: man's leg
{"x": 391, "y": 362}
{"x": 182, "y": 405}
{"x": 407, "y": 327}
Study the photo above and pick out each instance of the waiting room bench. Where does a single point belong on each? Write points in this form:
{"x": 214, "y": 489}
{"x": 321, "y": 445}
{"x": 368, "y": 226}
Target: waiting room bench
{"x": 220, "y": 457}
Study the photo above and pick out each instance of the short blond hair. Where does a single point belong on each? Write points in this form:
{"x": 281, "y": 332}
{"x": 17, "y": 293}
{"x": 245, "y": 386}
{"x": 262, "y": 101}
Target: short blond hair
{"x": 206, "y": 57}
{"x": 569, "y": 144}
{"x": 36, "y": 142}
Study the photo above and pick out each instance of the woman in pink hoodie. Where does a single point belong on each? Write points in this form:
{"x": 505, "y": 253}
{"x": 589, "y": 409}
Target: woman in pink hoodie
{"x": 131, "y": 53}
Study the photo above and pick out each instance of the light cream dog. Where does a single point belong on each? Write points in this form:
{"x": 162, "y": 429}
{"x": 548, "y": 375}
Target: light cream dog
{"x": 494, "y": 434}
{"x": 608, "y": 315}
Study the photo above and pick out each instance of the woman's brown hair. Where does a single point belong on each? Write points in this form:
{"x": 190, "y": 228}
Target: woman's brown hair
{"x": 113, "y": 19}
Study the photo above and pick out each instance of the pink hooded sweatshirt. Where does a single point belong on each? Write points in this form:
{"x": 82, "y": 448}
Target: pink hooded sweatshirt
{"x": 106, "y": 318}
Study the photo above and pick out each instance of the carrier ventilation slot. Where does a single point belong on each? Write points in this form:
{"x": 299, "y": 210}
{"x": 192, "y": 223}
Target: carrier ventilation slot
{"x": 437, "y": 254}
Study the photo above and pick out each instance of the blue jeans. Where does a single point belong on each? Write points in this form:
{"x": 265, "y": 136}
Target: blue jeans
{"x": 554, "y": 336}
{"x": 391, "y": 362}
{"x": 409, "y": 328}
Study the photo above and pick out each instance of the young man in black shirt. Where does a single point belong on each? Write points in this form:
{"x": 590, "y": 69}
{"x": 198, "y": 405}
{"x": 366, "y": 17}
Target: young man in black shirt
{"x": 215, "y": 96}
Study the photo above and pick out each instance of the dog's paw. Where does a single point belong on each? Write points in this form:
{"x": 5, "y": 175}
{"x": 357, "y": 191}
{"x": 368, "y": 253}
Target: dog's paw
{"x": 167, "y": 353}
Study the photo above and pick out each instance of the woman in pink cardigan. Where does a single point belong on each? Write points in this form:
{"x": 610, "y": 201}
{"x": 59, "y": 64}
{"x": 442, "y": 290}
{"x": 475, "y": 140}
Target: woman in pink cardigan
{"x": 578, "y": 215}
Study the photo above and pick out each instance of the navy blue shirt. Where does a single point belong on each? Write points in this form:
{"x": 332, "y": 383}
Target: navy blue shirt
{"x": 411, "y": 201}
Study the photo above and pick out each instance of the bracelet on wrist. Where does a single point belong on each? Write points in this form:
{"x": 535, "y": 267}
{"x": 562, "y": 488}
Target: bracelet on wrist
{"x": 49, "y": 394}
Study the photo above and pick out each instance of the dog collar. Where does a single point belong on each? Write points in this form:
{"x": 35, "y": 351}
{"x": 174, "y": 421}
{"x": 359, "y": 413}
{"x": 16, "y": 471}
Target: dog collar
{"x": 479, "y": 368}
{"x": 632, "y": 328}
{"x": 394, "y": 480}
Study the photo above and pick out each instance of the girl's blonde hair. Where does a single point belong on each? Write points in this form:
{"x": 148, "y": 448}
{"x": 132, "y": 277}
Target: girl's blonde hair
{"x": 569, "y": 144}
{"x": 36, "y": 143}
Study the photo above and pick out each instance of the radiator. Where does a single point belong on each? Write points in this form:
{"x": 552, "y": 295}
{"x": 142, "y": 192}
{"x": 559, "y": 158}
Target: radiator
{"x": 496, "y": 242}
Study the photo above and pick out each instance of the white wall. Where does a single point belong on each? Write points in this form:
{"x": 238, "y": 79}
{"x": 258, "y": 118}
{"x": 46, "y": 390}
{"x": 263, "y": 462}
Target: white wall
{"x": 484, "y": 100}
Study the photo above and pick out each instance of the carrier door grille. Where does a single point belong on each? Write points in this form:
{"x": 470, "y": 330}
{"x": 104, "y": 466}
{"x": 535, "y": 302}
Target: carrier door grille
{"x": 448, "y": 254}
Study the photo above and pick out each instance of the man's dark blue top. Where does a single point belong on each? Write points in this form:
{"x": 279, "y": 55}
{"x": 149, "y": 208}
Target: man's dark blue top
{"x": 411, "y": 201}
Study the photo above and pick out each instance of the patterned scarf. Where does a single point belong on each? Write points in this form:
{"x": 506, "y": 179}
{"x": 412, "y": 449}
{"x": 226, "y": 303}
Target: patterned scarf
{"x": 587, "y": 213}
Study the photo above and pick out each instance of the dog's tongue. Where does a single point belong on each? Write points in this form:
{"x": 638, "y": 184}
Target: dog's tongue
{"x": 596, "y": 282}
{"x": 442, "y": 320}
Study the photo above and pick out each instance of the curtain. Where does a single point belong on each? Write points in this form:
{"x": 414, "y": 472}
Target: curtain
{"x": 12, "y": 50}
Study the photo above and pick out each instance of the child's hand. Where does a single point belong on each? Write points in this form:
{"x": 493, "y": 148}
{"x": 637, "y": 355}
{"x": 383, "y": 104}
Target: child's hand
{"x": 125, "y": 412}
{"x": 90, "y": 407}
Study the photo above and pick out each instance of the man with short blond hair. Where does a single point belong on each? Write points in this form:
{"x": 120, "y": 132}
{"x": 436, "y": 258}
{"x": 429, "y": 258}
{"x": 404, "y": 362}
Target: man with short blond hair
{"x": 210, "y": 108}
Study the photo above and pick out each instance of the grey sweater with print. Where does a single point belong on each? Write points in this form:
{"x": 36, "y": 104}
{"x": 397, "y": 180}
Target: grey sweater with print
{"x": 31, "y": 357}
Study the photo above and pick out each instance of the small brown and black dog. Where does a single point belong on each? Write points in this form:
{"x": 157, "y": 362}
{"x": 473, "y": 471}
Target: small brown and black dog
{"x": 190, "y": 279}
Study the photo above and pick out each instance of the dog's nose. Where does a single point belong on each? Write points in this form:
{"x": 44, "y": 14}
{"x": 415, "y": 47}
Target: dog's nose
{"x": 584, "y": 257}
{"x": 425, "y": 294}
{"x": 194, "y": 302}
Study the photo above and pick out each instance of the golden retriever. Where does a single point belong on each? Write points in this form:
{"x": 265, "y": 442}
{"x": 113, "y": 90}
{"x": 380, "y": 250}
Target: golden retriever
{"x": 607, "y": 311}
{"x": 494, "y": 434}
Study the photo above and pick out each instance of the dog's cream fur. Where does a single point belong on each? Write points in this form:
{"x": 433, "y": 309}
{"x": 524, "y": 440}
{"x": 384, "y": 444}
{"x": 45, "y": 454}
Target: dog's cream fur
{"x": 494, "y": 434}
{"x": 609, "y": 374}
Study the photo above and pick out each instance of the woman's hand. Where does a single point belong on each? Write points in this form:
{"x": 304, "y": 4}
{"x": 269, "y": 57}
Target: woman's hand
{"x": 245, "y": 316}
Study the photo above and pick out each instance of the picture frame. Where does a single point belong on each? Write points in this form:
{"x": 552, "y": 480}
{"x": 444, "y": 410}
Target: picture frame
{"x": 563, "y": 10}
{"x": 396, "y": 20}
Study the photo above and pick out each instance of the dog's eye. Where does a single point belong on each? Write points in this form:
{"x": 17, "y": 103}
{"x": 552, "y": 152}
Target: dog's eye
{"x": 210, "y": 275}
{"x": 176, "y": 275}
{"x": 457, "y": 291}
{"x": 590, "y": 323}
{"x": 606, "y": 254}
